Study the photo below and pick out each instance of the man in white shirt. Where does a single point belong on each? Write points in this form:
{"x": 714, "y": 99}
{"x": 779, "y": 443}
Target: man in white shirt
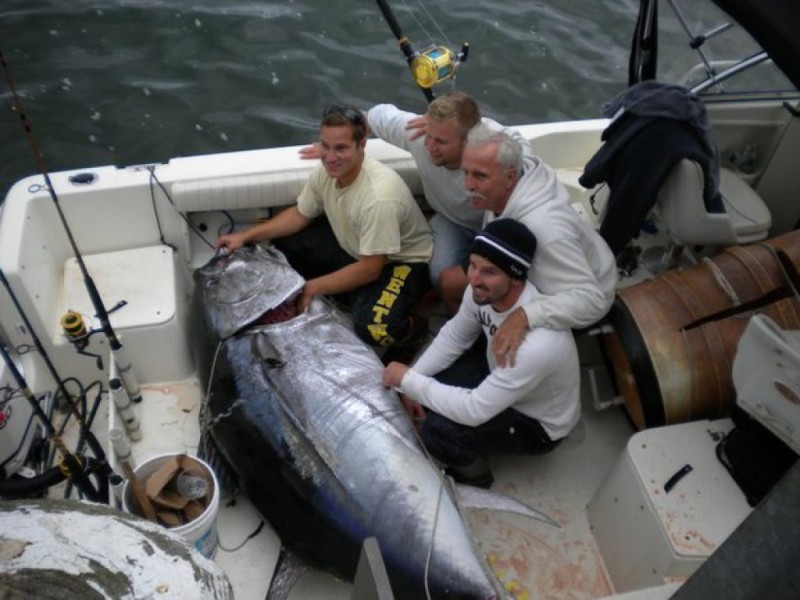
{"x": 527, "y": 408}
{"x": 574, "y": 269}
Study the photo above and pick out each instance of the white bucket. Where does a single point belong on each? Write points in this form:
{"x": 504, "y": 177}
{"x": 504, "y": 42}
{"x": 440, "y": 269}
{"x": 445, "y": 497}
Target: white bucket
{"x": 202, "y": 531}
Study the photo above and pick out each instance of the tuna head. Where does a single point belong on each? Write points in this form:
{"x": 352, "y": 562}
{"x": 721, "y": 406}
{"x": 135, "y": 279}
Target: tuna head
{"x": 235, "y": 292}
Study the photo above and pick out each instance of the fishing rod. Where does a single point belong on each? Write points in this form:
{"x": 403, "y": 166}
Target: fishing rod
{"x": 85, "y": 432}
{"x": 118, "y": 352}
{"x": 73, "y": 466}
{"x": 429, "y": 67}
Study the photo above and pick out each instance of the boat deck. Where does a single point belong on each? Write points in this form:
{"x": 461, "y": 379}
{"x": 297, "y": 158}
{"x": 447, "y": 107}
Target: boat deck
{"x": 532, "y": 559}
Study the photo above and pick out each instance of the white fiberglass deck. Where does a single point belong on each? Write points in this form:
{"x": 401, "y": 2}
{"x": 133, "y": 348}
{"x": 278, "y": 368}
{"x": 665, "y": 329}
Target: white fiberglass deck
{"x": 534, "y": 560}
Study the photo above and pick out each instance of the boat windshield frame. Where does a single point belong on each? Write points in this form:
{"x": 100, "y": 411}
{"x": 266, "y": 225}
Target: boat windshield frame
{"x": 690, "y": 38}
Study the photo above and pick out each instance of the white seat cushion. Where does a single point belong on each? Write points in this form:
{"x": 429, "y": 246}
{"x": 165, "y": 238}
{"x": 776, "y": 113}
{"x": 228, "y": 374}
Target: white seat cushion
{"x": 750, "y": 216}
{"x": 681, "y": 208}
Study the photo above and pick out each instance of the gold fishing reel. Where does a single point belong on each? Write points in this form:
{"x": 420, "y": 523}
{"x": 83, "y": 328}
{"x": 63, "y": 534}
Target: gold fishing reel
{"x": 77, "y": 334}
{"x": 73, "y": 325}
{"x": 432, "y": 66}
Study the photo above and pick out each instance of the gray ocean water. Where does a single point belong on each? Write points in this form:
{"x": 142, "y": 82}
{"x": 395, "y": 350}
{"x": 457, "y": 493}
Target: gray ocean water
{"x": 140, "y": 81}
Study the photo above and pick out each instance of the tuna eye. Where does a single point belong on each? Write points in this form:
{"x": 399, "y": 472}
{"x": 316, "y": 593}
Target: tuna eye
{"x": 211, "y": 282}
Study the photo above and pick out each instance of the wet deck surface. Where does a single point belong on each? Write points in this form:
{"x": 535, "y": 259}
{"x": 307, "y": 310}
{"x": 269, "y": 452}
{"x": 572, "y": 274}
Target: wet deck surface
{"x": 533, "y": 559}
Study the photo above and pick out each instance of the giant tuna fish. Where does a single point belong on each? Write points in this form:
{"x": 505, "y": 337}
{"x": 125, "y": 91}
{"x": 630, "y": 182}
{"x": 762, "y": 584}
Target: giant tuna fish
{"x": 322, "y": 449}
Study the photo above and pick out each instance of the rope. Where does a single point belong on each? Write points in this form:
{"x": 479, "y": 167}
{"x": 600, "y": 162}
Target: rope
{"x": 205, "y": 421}
{"x": 723, "y": 282}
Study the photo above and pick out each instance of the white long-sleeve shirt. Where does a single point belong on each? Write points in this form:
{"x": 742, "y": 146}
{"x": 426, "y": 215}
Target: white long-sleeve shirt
{"x": 444, "y": 188}
{"x": 544, "y": 383}
{"x": 573, "y": 268}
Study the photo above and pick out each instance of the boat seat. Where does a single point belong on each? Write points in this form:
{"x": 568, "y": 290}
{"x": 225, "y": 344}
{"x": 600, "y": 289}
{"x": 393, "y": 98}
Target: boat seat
{"x": 277, "y": 186}
{"x": 264, "y": 190}
{"x": 666, "y": 506}
{"x": 766, "y": 375}
{"x": 680, "y": 207}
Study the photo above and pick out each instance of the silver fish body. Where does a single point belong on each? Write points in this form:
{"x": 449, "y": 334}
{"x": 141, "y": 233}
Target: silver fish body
{"x": 327, "y": 454}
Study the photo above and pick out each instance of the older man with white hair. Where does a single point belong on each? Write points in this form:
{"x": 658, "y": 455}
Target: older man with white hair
{"x": 574, "y": 268}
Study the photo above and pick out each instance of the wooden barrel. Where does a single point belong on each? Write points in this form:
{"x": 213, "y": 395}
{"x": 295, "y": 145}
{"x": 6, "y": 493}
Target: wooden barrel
{"x": 675, "y": 336}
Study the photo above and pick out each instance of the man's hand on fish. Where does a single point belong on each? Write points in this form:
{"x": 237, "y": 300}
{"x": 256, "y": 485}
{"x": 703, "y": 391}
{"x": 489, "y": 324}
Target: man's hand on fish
{"x": 392, "y": 378}
{"x": 418, "y": 126}
{"x": 393, "y": 374}
{"x": 230, "y": 242}
{"x": 508, "y": 338}
{"x": 303, "y": 300}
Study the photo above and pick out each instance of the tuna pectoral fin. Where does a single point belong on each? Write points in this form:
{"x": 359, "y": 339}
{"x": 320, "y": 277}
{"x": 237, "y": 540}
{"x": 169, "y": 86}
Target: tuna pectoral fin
{"x": 288, "y": 570}
{"x": 266, "y": 352}
{"x": 475, "y": 497}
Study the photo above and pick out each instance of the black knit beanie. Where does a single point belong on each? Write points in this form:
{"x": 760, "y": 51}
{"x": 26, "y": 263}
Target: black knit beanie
{"x": 508, "y": 244}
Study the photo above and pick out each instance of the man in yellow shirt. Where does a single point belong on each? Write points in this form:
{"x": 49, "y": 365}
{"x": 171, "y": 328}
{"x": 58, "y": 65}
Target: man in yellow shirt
{"x": 356, "y": 230}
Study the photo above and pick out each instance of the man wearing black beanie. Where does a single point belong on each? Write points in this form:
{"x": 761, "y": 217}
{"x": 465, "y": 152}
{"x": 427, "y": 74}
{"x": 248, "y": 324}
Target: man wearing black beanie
{"x": 524, "y": 408}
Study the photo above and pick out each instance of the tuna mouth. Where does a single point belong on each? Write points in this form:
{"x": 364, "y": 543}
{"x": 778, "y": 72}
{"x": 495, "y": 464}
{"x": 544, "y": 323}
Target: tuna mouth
{"x": 283, "y": 312}
{"x": 253, "y": 284}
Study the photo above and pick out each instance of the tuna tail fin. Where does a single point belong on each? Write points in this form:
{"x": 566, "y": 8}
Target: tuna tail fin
{"x": 289, "y": 568}
{"x": 475, "y": 497}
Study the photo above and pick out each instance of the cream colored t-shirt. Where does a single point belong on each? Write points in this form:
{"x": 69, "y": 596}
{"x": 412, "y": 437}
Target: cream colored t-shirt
{"x": 376, "y": 214}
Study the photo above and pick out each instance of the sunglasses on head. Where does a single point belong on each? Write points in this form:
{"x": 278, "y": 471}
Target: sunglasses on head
{"x": 349, "y": 112}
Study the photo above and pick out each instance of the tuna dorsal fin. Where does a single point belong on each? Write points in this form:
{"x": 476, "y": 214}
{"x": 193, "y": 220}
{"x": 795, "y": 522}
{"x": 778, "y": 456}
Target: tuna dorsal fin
{"x": 289, "y": 568}
{"x": 474, "y": 497}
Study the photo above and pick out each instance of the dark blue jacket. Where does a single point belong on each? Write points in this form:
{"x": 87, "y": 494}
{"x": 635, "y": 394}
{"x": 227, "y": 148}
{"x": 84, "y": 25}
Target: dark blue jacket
{"x": 657, "y": 125}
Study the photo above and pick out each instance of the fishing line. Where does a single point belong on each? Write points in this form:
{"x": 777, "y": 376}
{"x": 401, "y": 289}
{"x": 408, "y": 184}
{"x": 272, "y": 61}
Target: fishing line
{"x": 432, "y": 19}
{"x": 155, "y": 209}
{"x": 419, "y": 23}
{"x": 120, "y": 356}
{"x": 441, "y": 476}
{"x": 192, "y": 226}
{"x": 429, "y": 557}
